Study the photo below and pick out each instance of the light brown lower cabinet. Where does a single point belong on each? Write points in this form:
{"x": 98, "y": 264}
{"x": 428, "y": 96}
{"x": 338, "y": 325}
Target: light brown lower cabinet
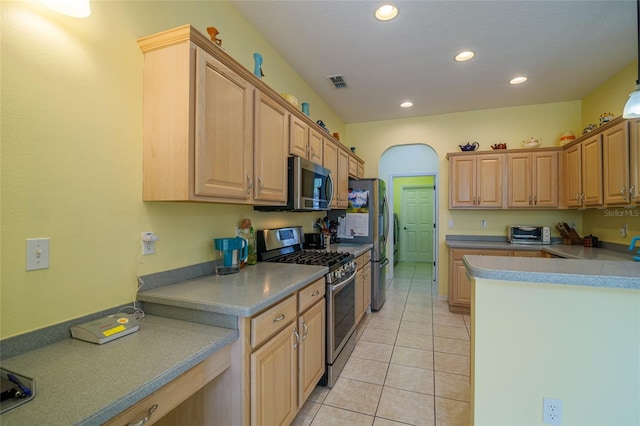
{"x": 285, "y": 349}
{"x": 363, "y": 285}
{"x": 459, "y": 283}
{"x": 526, "y": 253}
{"x": 191, "y": 398}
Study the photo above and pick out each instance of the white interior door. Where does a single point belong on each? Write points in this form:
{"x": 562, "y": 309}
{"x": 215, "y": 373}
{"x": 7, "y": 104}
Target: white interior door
{"x": 417, "y": 223}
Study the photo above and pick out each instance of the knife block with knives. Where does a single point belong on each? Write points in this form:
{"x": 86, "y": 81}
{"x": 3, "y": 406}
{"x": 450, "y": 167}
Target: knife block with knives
{"x": 568, "y": 234}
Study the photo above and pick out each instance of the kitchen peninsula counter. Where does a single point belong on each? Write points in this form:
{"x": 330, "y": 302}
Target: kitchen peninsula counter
{"x": 580, "y": 272}
{"x": 77, "y": 382}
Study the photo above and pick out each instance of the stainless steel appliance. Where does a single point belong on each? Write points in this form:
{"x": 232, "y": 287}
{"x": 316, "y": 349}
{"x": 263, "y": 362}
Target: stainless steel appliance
{"x": 396, "y": 239}
{"x": 310, "y": 187}
{"x": 286, "y": 245}
{"x": 529, "y": 234}
{"x": 376, "y": 230}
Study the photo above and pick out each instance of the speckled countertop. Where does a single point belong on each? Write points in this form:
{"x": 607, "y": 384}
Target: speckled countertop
{"x": 562, "y": 250}
{"x": 253, "y": 289}
{"x": 355, "y": 249}
{"x": 83, "y": 383}
{"x": 583, "y": 272}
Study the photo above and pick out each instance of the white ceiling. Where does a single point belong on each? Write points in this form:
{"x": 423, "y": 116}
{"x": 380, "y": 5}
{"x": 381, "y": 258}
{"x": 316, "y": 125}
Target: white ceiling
{"x": 566, "y": 49}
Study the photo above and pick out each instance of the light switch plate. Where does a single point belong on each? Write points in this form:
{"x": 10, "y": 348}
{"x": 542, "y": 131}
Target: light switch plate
{"x": 37, "y": 253}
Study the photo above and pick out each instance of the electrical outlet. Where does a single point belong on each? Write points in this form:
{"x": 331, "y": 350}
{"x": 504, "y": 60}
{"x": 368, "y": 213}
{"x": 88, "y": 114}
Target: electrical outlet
{"x": 450, "y": 224}
{"x": 483, "y": 223}
{"x": 551, "y": 411}
{"x": 148, "y": 243}
{"x": 623, "y": 230}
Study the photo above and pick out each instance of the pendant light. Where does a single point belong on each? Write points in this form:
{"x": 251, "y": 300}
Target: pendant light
{"x": 632, "y": 108}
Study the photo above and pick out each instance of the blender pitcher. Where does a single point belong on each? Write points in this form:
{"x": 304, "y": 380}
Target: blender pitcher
{"x": 229, "y": 252}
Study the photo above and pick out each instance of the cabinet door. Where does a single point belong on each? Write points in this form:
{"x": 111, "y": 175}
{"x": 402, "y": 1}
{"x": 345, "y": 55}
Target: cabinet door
{"x": 353, "y": 166}
{"x": 634, "y": 188}
{"x": 271, "y": 146}
{"x": 544, "y": 179}
{"x": 298, "y": 137}
{"x": 461, "y": 290}
{"x": 312, "y": 350}
{"x": 315, "y": 146}
{"x": 343, "y": 179}
{"x": 489, "y": 178}
{"x": 330, "y": 161}
{"x": 573, "y": 176}
{"x": 615, "y": 159}
{"x": 462, "y": 180}
{"x": 274, "y": 369}
{"x": 366, "y": 285}
{"x": 592, "y": 171}
{"x": 223, "y": 154}
{"x": 519, "y": 183}
{"x": 359, "y": 302}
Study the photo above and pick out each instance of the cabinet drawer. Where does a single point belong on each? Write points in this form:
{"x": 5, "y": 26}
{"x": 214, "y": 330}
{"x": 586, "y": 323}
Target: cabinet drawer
{"x": 310, "y": 295}
{"x": 272, "y": 320}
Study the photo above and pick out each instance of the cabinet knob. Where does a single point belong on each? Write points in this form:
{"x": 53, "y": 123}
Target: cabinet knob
{"x": 306, "y": 330}
{"x": 279, "y": 317}
{"x": 632, "y": 192}
{"x": 623, "y": 191}
{"x": 146, "y": 418}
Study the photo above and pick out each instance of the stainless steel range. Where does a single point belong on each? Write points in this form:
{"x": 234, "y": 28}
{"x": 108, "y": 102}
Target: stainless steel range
{"x": 285, "y": 245}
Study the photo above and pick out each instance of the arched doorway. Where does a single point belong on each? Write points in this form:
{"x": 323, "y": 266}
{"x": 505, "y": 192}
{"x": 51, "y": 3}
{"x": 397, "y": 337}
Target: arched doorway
{"x": 413, "y": 161}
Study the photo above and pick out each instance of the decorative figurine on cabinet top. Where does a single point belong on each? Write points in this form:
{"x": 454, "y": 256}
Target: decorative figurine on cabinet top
{"x": 257, "y": 70}
{"x": 213, "y": 33}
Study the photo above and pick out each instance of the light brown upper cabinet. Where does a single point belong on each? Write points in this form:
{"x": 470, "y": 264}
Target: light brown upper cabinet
{"x": 336, "y": 159}
{"x": 634, "y": 188}
{"x": 583, "y": 173}
{"x": 476, "y": 180}
{"x": 532, "y": 179}
{"x": 617, "y": 185}
{"x": 304, "y": 141}
{"x": 210, "y": 133}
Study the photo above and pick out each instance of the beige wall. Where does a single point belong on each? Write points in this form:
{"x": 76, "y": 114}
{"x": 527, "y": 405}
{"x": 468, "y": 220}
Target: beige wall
{"x": 444, "y": 133}
{"x": 71, "y": 155}
{"x": 577, "y": 344}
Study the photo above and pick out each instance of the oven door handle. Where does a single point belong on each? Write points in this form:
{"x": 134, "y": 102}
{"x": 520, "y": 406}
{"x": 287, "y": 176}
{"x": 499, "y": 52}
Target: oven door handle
{"x": 337, "y": 287}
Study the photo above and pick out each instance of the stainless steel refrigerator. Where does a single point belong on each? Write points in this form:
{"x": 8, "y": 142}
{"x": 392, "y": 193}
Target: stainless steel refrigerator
{"x": 375, "y": 230}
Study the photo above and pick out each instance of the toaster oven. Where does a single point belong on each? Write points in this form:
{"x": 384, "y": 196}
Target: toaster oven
{"x": 529, "y": 234}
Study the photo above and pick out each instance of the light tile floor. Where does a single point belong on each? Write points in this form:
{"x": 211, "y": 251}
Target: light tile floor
{"x": 410, "y": 365}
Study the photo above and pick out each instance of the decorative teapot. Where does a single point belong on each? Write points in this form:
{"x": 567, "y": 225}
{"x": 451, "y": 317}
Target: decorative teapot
{"x": 532, "y": 143}
{"x": 469, "y": 146}
{"x": 499, "y": 146}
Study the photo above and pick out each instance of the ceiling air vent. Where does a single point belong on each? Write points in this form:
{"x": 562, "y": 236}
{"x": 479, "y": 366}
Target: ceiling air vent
{"x": 338, "y": 81}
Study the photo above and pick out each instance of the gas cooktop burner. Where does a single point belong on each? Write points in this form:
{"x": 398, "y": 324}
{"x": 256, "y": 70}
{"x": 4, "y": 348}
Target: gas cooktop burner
{"x": 314, "y": 257}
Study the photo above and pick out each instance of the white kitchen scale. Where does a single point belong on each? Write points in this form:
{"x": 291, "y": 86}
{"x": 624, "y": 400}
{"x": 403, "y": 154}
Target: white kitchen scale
{"x": 106, "y": 329}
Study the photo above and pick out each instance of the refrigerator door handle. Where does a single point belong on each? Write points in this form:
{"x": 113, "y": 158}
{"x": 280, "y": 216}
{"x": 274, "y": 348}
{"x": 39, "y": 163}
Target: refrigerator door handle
{"x": 385, "y": 213}
{"x": 384, "y": 262}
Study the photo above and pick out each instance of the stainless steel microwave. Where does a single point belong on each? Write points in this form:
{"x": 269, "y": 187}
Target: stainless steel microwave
{"x": 309, "y": 188}
{"x": 529, "y": 234}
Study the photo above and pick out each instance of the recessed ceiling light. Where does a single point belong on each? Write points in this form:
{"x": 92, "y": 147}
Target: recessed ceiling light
{"x": 406, "y": 104}
{"x": 518, "y": 80}
{"x": 464, "y": 56}
{"x": 386, "y": 12}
